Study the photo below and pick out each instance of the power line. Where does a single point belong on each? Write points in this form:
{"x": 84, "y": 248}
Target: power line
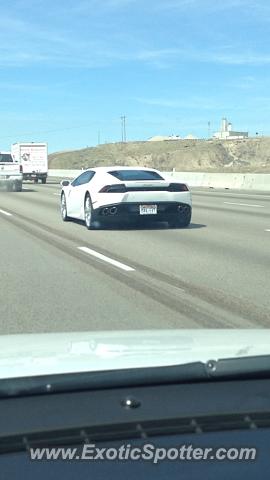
{"x": 40, "y": 132}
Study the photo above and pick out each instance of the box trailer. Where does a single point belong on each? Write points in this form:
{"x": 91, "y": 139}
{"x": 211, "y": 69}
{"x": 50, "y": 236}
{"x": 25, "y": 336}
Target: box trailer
{"x": 34, "y": 160}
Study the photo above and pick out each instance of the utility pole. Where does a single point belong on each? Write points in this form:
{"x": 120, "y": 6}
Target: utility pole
{"x": 123, "y": 129}
{"x": 122, "y": 133}
{"x": 125, "y": 136}
{"x": 99, "y": 137}
{"x": 209, "y": 129}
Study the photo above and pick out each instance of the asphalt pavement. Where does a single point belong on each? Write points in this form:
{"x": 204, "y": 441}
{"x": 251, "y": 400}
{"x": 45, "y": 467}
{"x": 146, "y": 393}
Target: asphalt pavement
{"x": 58, "y": 276}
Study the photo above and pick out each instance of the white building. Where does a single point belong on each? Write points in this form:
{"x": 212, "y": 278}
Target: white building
{"x": 191, "y": 137}
{"x": 163, "y": 138}
{"x": 227, "y": 133}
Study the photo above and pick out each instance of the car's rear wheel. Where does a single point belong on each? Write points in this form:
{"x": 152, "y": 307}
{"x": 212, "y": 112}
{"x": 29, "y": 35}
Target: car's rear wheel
{"x": 88, "y": 213}
{"x": 64, "y": 215}
{"x": 182, "y": 220}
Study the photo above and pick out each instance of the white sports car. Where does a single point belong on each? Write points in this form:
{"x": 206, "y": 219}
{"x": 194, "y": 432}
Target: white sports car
{"x": 116, "y": 194}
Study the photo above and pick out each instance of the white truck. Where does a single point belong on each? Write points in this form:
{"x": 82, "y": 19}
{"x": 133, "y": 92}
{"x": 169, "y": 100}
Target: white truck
{"x": 11, "y": 176}
{"x": 34, "y": 160}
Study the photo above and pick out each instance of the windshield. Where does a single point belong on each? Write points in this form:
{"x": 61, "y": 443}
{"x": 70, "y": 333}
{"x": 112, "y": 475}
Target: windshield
{"x": 129, "y": 175}
{"x": 6, "y": 157}
{"x": 135, "y": 222}
{"x": 134, "y": 235}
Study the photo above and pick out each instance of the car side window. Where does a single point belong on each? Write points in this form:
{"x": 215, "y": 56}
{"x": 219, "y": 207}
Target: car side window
{"x": 85, "y": 177}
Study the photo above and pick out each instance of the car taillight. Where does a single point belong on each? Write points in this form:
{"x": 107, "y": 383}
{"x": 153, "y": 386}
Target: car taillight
{"x": 121, "y": 188}
{"x": 178, "y": 187}
{"x": 21, "y": 169}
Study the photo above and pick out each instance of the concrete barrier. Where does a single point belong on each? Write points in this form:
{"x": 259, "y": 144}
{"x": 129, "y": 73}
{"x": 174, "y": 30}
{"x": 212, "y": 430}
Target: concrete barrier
{"x": 64, "y": 173}
{"x": 245, "y": 181}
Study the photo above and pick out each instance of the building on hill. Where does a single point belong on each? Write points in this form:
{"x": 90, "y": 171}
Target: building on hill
{"x": 190, "y": 137}
{"x": 227, "y": 133}
{"x": 163, "y": 138}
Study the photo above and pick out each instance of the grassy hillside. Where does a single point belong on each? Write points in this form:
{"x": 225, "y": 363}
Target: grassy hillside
{"x": 249, "y": 155}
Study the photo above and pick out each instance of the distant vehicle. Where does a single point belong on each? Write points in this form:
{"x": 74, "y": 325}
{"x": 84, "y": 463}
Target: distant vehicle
{"x": 11, "y": 175}
{"x": 34, "y": 160}
{"x": 124, "y": 194}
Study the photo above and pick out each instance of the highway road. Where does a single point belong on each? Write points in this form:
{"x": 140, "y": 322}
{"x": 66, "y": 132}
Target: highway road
{"x": 215, "y": 274}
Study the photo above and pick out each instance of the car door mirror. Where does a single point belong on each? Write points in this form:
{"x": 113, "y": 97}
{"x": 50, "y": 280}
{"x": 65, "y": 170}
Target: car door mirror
{"x": 65, "y": 183}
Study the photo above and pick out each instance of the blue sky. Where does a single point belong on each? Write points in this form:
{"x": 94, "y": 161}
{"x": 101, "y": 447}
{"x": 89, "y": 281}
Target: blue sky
{"x": 70, "y": 68}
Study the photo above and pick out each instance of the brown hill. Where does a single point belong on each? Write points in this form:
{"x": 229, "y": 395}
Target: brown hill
{"x": 248, "y": 155}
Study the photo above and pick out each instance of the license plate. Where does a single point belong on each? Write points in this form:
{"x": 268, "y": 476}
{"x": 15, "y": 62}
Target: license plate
{"x": 148, "y": 209}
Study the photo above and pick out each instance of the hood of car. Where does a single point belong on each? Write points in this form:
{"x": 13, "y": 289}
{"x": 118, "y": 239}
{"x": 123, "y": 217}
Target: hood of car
{"x": 55, "y": 353}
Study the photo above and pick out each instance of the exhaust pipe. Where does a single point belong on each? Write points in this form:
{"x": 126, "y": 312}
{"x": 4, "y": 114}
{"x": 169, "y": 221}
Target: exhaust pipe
{"x": 105, "y": 211}
{"x": 183, "y": 209}
{"x": 113, "y": 210}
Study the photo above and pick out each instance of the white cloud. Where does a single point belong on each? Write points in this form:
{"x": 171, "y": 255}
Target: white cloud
{"x": 236, "y": 58}
{"x": 61, "y": 51}
{"x": 202, "y": 5}
{"x": 202, "y": 103}
{"x": 95, "y": 6}
{"x": 24, "y": 42}
{"x": 226, "y": 56}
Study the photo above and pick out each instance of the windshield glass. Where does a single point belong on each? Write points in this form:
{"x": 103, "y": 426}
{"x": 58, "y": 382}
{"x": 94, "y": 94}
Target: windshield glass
{"x": 134, "y": 231}
{"x": 139, "y": 199}
{"x": 6, "y": 157}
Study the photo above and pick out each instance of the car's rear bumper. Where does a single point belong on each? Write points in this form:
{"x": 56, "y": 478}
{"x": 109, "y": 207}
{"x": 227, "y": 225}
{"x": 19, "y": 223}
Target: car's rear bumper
{"x": 8, "y": 179}
{"x": 166, "y": 211}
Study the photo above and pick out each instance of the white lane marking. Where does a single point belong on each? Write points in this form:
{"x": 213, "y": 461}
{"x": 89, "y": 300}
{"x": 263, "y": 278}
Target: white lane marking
{"x": 106, "y": 259}
{"x": 244, "y": 204}
{"x": 58, "y": 194}
{"x": 6, "y": 213}
{"x": 26, "y": 189}
{"x": 215, "y": 192}
{"x": 267, "y": 230}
